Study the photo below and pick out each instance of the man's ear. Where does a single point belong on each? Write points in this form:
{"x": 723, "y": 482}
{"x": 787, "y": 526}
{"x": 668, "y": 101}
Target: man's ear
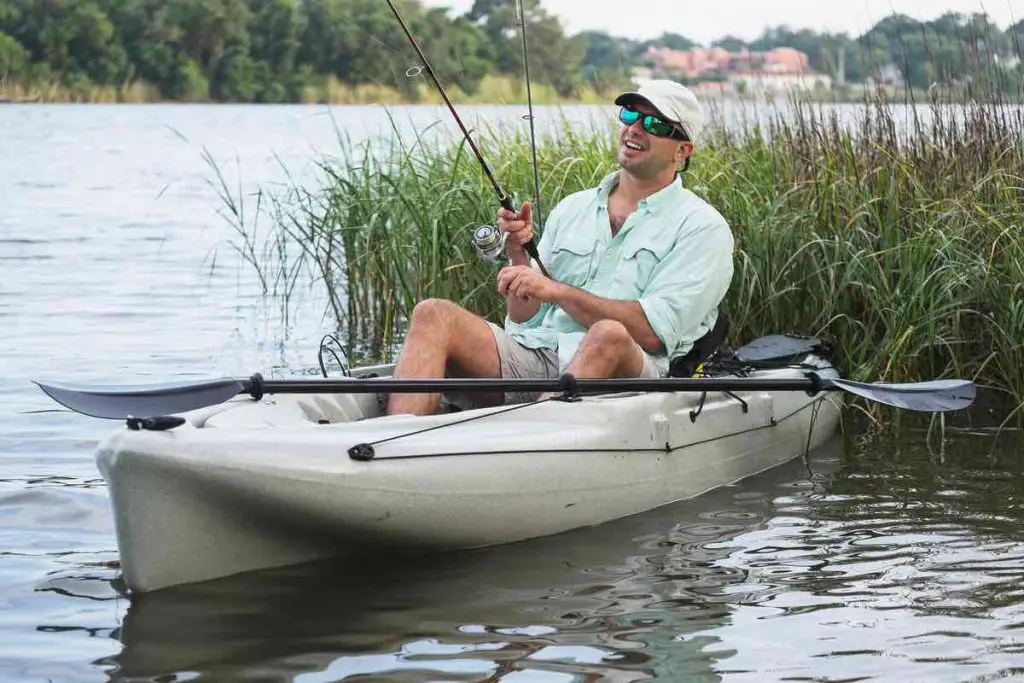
{"x": 684, "y": 151}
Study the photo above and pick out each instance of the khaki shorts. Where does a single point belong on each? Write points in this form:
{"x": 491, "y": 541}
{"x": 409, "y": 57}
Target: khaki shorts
{"x": 519, "y": 362}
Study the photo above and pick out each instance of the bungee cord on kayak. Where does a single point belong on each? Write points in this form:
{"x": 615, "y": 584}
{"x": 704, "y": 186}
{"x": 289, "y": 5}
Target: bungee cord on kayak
{"x": 366, "y": 452}
{"x": 328, "y": 344}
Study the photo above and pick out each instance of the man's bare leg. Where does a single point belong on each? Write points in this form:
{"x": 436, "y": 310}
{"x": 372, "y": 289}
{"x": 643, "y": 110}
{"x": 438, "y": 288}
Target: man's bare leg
{"x": 607, "y": 350}
{"x": 444, "y": 339}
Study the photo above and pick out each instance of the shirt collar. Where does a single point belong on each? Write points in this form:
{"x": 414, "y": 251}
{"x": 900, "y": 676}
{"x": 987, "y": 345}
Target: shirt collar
{"x": 656, "y": 201}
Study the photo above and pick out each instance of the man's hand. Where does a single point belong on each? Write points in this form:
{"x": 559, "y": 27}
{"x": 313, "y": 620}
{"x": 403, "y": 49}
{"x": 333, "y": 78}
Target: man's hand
{"x": 525, "y": 284}
{"x": 519, "y": 227}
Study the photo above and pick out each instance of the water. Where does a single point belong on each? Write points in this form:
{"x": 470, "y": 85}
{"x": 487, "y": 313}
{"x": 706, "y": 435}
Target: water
{"x": 878, "y": 559}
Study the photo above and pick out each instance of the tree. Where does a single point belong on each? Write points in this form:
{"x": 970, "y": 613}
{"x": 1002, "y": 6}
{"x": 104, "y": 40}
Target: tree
{"x": 730, "y": 44}
{"x": 672, "y": 41}
{"x": 14, "y": 59}
{"x": 554, "y": 58}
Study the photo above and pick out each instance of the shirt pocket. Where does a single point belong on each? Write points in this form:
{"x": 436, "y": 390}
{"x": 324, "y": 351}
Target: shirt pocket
{"x": 572, "y": 260}
{"x": 640, "y": 256}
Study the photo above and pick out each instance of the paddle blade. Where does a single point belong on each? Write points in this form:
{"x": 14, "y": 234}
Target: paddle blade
{"x": 938, "y": 396}
{"x": 143, "y": 401}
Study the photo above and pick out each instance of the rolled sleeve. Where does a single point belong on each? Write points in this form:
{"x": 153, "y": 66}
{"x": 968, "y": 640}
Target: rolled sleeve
{"x": 687, "y": 286}
{"x": 532, "y": 323}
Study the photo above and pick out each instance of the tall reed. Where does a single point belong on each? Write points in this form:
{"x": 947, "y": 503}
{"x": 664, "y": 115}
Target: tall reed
{"x": 898, "y": 239}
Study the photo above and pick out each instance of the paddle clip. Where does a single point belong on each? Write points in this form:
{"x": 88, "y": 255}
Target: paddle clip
{"x": 161, "y": 423}
{"x": 570, "y": 388}
{"x": 256, "y": 386}
{"x": 816, "y": 384}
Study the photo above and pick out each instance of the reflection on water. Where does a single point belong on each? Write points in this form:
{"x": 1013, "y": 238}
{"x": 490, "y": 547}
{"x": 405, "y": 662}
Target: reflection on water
{"x": 877, "y": 561}
{"x": 618, "y": 602}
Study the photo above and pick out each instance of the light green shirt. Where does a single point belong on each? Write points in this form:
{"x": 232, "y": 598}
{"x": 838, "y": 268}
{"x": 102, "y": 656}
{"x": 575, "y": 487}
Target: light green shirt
{"x": 673, "y": 255}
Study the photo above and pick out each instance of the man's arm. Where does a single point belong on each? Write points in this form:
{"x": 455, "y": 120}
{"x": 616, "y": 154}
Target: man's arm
{"x": 691, "y": 280}
{"x": 586, "y": 309}
{"x": 521, "y": 283}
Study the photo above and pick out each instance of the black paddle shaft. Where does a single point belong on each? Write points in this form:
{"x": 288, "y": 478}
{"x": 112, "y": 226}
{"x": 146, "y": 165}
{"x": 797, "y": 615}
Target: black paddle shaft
{"x": 175, "y": 398}
{"x": 567, "y": 384}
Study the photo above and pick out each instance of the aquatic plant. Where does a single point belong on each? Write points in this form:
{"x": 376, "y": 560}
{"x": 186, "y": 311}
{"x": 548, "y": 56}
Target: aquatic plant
{"x": 892, "y": 230}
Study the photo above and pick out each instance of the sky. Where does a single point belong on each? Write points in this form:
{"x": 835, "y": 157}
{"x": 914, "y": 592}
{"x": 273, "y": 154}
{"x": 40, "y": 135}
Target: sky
{"x": 747, "y": 19}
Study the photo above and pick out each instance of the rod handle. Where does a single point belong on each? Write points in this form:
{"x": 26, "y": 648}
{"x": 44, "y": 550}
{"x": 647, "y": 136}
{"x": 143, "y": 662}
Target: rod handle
{"x": 531, "y": 246}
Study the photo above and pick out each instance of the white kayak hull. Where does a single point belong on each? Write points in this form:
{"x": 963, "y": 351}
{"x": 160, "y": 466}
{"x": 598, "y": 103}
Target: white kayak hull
{"x": 250, "y": 485}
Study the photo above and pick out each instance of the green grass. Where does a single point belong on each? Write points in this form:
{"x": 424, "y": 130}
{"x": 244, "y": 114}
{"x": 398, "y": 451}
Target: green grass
{"x": 905, "y": 247}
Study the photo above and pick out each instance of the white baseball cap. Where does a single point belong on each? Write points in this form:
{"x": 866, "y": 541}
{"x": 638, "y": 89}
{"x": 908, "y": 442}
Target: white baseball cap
{"x": 674, "y": 101}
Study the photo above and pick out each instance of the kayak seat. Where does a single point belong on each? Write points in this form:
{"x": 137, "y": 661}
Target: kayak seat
{"x": 689, "y": 364}
{"x": 294, "y": 410}
{"x": 335, "y": 408}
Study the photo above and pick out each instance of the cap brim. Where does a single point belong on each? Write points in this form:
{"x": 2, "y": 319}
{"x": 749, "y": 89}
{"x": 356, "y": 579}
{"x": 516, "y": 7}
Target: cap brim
{"x": 633, "y": 97}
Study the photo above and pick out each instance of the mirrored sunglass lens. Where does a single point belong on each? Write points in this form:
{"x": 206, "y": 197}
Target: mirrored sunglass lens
{"x": 657, "y": 126}
{"x": 628, "y": 116}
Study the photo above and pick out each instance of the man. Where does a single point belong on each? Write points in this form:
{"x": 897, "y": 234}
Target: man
{"x": 638, "y": 268}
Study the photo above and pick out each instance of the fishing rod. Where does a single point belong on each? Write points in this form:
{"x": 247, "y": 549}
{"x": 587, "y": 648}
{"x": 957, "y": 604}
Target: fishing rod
{"x": 529, "y": 106}
{"x": 482, "y": 238}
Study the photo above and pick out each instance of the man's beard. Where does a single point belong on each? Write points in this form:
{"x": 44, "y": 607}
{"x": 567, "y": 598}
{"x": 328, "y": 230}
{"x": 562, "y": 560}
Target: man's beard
{"x": 644, "y": 169}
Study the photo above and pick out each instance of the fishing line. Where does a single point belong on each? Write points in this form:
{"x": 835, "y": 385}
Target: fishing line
{"x": 503, "y": 197}
{"x": 410, "y": 70}
{"x": 521, "y": 11}
{"x": 416, "y": 70}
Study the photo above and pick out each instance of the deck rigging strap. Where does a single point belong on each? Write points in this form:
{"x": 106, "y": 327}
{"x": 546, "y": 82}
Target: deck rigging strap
{"x": 367, "y": 451}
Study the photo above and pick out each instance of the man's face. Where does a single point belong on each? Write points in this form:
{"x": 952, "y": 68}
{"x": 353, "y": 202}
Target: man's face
{"x": 647, "y": 156}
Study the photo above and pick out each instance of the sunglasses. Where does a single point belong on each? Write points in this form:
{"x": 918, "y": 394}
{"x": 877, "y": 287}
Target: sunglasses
{"x": 652, "y": 124}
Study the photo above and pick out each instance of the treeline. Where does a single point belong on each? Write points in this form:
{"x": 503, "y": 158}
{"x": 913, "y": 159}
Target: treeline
{"x": 282, "y": 50}
{"x": 305, "y": 50}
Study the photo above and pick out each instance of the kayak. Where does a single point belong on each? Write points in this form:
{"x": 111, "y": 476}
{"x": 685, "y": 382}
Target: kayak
{"x": 255, "y": 484}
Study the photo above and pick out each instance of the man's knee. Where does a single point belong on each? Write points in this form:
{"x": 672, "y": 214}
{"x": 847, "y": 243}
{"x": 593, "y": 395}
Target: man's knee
{"x": 608, "y": 336}
{"x": 434, "y": 312}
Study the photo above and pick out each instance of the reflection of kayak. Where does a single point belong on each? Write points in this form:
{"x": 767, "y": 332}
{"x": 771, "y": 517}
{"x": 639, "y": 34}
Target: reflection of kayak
{"x": 248, "y": 485}
{"x": 527, "y": 607}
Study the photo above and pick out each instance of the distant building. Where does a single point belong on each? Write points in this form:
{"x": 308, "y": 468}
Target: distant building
{"x": 785, "y": 60}
{"x": 766, "y": 84}
{"x": 689, "y": 64}
{"x": 714, "y": 89}
{"x": 717, "y": 71}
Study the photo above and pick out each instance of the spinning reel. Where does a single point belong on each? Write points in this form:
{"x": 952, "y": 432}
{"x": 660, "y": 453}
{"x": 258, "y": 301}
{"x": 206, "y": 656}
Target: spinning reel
{"x": 489, "y": 243}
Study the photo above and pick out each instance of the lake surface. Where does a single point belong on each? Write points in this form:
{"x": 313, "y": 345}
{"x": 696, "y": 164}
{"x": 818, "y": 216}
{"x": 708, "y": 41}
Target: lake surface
{"x": 878, "y": 558}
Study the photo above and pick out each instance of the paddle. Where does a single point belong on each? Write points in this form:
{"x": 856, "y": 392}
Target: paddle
{"x": 168, "y": 399}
